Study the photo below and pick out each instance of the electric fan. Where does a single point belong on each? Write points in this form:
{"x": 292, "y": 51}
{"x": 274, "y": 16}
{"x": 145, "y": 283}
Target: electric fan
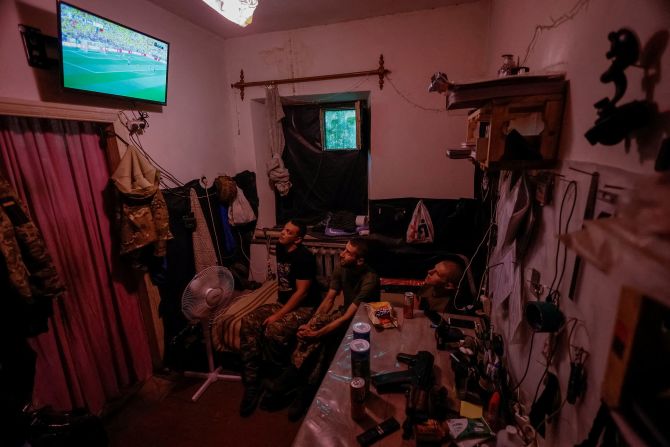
{"x": 210, "y": 292}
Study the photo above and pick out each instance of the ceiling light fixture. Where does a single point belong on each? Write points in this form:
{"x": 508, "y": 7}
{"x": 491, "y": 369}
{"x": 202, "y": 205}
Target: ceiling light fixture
{"x": 237, "y": 11}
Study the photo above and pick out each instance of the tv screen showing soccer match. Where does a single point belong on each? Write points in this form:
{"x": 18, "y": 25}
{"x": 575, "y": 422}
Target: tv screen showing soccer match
{"x": 101, "y": 56}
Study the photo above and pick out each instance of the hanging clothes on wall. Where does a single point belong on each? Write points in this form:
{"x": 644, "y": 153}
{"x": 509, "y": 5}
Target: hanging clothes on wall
{"x": 31, "y": 271}
{"x": 179, "y": 270}
{"x": 240, "y": 211}
{"x": 246, "y": 181}
{"x": 277, "y": 172}
{"x": 95, "y": 346}
{"x": 227, "y": 189}
{"x": 180, "y": 266}
{"x": 204, "y": 251}
{"x": 142, "y": 213}
{"x": 29, "y": 282}
{"x": 244, "y": 233}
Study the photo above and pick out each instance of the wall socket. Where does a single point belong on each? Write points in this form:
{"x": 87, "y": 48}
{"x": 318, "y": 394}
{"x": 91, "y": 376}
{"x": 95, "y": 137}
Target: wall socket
{"x": 136, "y": 126}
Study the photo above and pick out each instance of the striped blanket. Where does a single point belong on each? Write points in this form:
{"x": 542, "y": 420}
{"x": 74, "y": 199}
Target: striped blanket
{"x": 226, "y": 326}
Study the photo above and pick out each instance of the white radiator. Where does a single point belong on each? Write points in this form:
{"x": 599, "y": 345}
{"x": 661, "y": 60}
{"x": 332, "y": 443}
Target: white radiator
{"x": 327, "y": 256}
{"x": 327, "y": 253}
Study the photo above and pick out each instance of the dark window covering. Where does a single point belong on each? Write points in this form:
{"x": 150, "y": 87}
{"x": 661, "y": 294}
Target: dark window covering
{"x": 322, "y": 181}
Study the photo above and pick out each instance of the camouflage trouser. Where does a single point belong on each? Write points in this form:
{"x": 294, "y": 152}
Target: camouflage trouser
{"x": 272, "y": 343}
{"x": 315, "y": 353}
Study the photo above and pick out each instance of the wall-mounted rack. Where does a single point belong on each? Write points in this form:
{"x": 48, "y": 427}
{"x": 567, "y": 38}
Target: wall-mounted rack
{"x": 381, "y": 72}
{"x": 533, "y": 104}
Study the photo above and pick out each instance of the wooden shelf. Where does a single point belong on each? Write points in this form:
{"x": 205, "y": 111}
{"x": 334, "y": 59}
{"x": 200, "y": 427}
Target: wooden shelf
{"x": 469, "y": 95}
{"x": 516, "y": 121}
{"x": 518, "y": 132}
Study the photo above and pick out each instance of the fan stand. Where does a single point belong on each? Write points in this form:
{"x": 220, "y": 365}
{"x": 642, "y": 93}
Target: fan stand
{"x": 214, "y": 374}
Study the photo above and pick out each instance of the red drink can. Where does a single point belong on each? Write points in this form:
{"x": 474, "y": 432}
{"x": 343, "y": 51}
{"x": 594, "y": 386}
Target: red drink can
{"x": 408, "y": 305}
{"x": 357, "y": 388}
{"x": 360, "y": 360}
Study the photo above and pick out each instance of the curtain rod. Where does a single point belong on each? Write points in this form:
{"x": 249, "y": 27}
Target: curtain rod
{"x": 381, "y": 72}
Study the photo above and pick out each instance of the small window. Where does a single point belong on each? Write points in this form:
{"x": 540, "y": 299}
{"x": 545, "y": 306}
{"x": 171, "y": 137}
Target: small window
{"x": 341, "y": 127}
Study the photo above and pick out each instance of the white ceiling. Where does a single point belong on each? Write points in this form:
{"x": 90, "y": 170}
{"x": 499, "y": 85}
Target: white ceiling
{"x": 280, "y": 15}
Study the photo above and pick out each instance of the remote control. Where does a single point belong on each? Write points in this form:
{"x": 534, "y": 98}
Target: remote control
{"x": 458, "y": 322}
{"x": 378, "y": 432}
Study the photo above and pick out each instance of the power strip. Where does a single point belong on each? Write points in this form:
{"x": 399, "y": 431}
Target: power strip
{"x": 136, "y": 126}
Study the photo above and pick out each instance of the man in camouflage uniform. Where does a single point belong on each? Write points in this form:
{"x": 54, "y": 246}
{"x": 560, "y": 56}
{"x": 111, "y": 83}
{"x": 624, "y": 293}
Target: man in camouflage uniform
{"x": 268, "y": 333}
{"x": 318, "y": 338}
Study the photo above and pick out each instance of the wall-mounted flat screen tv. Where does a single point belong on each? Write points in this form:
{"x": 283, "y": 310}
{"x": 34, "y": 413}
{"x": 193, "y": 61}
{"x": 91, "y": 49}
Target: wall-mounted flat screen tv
{"x": 102, "y": 56}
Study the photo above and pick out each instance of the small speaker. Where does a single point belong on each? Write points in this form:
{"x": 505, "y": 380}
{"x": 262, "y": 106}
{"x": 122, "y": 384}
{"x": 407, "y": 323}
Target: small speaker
{"x": 35, "y": 44}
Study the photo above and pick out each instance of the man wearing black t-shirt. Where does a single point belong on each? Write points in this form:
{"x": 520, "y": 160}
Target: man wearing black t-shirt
{"x": 267, "y": 333}
{"x": 319, "y": 338}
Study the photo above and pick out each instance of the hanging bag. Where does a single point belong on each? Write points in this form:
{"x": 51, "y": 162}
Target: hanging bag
{"x": 240, "y": 211}
{"x": 420, "y": 229}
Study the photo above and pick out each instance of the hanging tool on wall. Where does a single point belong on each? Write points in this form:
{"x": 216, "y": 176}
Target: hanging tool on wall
{"x": 589, "y": 211}
{"x": 577, "y": 380}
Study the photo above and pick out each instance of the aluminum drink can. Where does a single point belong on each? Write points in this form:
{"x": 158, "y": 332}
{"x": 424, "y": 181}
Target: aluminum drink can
{"x": 362, "y": 331}
{"x": 360, "y": 360}
{"x": 357, "y": 388}
{"x": 408, "y": 305}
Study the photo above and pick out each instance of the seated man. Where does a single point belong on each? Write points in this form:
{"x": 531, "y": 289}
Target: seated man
{"x": 268, "y": 333}
{"x": 440, "y": 285}
{"x": 316, "y": 339}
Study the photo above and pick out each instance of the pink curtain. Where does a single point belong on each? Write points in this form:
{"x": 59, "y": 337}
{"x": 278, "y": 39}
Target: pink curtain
{"x": 96, "y": 343}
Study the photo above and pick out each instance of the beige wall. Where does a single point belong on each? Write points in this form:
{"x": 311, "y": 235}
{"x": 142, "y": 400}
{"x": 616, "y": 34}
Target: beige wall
{"x": 408, "y": 141}
{"x": 578, "y": 47}
{"x": 206, "y": 128}
{"x": 190, "y": 136}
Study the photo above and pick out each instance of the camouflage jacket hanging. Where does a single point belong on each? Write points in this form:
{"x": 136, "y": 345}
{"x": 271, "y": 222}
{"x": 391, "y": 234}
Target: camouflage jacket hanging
{"x": 141, "y": 211}
{"x": 29, "y": 266}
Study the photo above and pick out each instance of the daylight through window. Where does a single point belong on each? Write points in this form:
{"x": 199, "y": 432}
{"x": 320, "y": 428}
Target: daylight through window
{"x": 341, "y": 128}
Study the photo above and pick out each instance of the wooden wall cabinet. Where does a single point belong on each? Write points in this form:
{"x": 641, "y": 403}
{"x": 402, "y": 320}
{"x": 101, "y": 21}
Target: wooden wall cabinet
{"x": 514, "y": 125}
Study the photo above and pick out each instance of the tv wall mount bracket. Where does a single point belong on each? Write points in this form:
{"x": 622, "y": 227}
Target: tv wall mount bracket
{"x": 35, "y": 43}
